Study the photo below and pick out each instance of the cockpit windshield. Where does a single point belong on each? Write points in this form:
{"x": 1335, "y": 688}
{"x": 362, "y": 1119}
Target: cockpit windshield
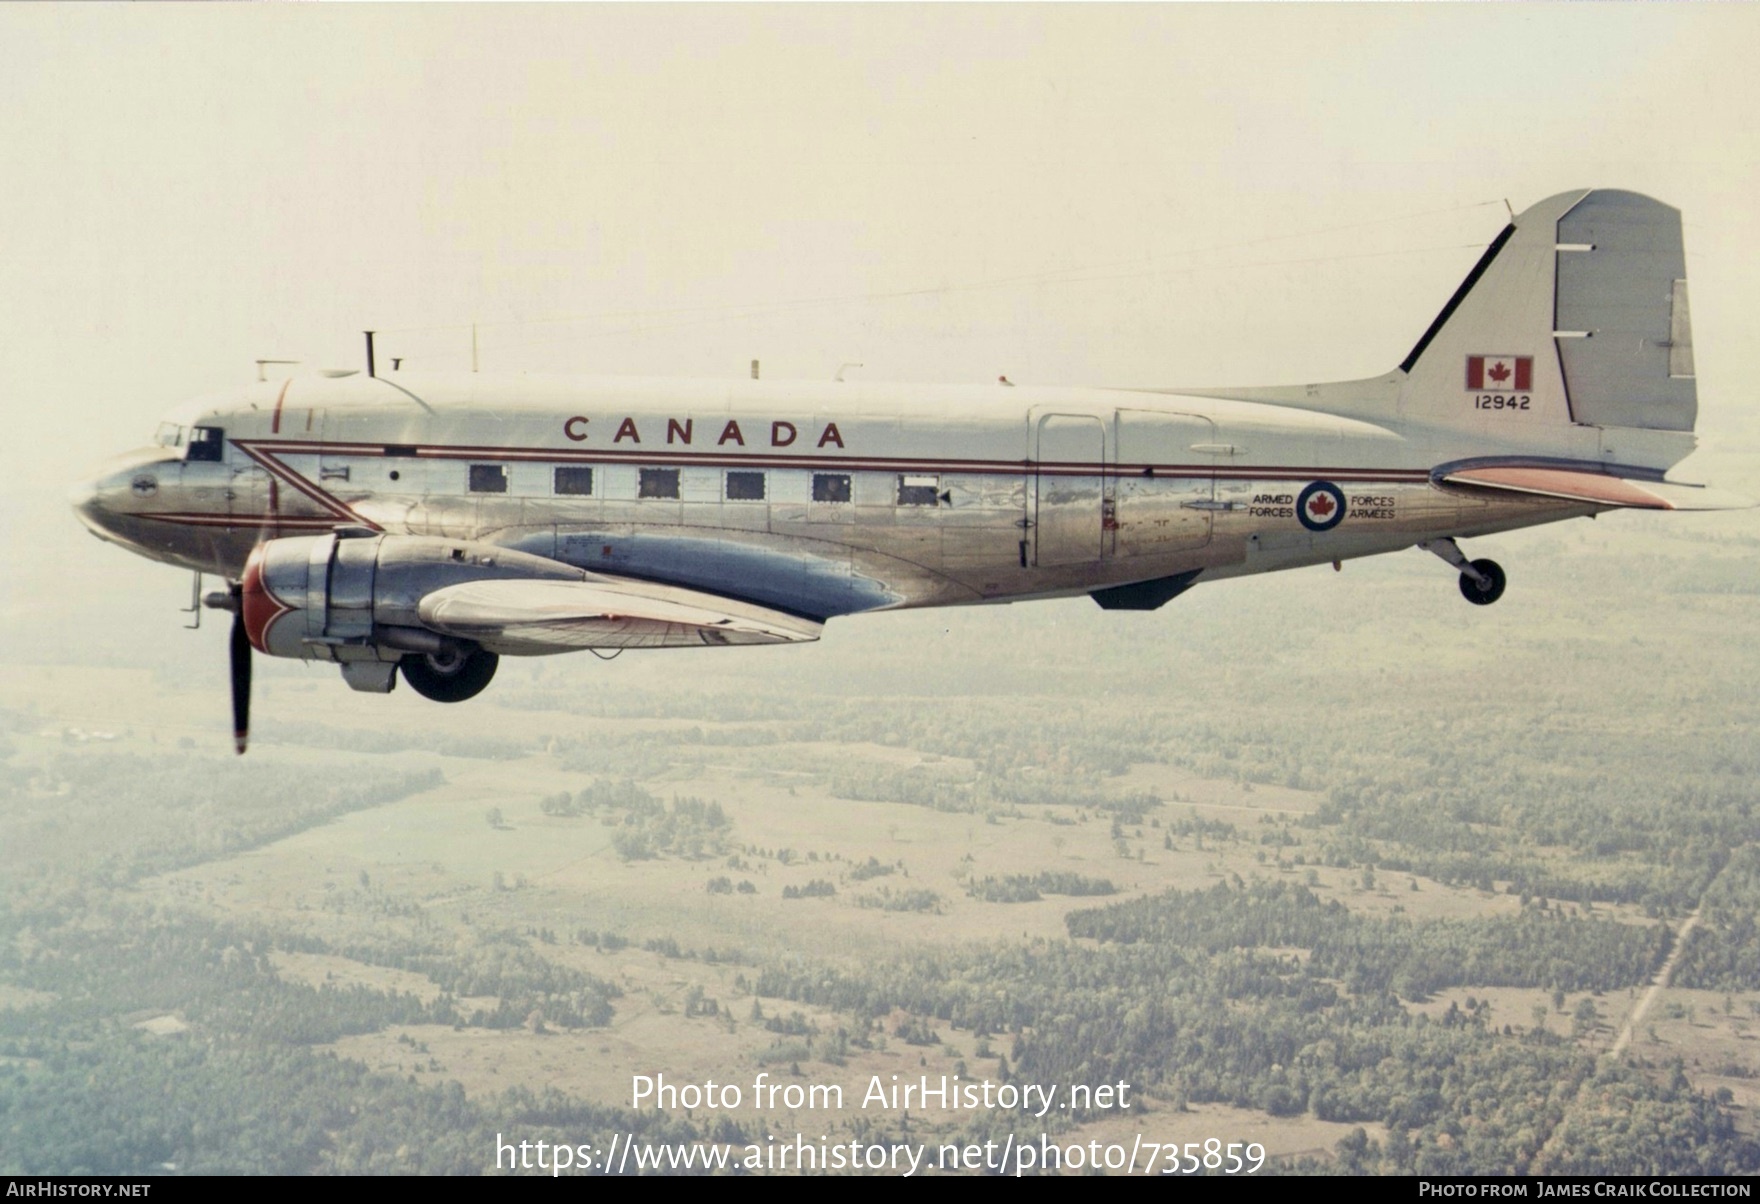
{"x": 206, "y": 443}
{"x": 196, "y": 442}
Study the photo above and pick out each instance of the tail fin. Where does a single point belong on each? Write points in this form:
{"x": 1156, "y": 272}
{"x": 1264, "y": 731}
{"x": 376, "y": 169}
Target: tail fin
{"x": 1578, "y": 310}
{"x": 1584, "y": 299}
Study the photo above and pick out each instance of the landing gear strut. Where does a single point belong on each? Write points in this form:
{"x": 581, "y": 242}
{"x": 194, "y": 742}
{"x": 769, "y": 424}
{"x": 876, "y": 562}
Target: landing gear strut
{"x": 1482, "y": 581}
{"x": 450, "y": 676}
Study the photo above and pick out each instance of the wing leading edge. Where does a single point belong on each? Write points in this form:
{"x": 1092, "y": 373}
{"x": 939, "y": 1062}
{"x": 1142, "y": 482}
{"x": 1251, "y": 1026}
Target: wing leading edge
{"x": 526, "y": 615}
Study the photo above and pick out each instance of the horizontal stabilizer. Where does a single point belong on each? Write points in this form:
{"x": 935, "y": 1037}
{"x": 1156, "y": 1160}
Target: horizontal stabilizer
{"x": 534, "y": 615}
{"x": 1596, "y": 488}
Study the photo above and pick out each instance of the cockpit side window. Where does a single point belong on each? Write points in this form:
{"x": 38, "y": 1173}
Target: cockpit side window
{"x": 206, "y": 443}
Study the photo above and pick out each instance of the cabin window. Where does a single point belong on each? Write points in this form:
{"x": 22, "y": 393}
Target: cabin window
{"x": 206, "y": 443}
{"x": 488, "y": 478}
{"x": 658, "y": 482}
{"x": 745, "y": 486}
{"x": 914, "y": 490}
{"x": 830, "y": 487}
{"x": 577, "y": 482}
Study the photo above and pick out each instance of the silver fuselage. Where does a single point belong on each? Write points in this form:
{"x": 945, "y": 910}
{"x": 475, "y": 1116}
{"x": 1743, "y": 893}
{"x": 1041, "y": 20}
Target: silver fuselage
{"x": 817, "y": 499}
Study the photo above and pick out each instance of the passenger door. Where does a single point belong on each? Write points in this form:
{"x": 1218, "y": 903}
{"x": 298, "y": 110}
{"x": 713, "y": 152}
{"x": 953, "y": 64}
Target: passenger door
{"x": 1068, "y": 455}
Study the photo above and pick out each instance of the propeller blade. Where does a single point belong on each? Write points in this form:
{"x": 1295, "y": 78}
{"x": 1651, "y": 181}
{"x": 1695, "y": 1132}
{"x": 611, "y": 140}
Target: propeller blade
{"x": 241, "y": 679}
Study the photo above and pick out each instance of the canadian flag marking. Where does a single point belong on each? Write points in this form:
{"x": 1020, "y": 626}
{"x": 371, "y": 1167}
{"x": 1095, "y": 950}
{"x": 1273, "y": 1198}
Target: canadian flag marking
{"x": 1511, "y": 373}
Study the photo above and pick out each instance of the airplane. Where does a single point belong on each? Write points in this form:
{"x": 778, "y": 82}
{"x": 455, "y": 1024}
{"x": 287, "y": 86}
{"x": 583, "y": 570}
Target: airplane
{"x": 426, "y": 526}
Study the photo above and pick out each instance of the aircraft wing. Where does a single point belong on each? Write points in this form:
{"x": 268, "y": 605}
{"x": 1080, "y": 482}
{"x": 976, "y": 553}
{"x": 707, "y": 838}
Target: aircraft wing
{"x": 1595, "y": 488}
{"x": 532, "y": 615}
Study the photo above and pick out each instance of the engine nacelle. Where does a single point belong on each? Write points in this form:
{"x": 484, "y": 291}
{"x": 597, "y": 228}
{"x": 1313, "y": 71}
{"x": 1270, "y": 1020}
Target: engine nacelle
{"x": 352, "y": 598}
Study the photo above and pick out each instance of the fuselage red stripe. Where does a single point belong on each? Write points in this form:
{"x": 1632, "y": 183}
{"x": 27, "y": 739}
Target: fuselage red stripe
{"x": 717, "y": 459}
{"x": 253, "y": 522}
{"x": 277, "y": 469}
{"x": 267, "y": 453}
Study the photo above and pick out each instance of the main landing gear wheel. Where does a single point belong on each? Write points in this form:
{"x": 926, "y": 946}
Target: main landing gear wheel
{"x": 1480, "y": 593}
{"x": 453, "y": 677}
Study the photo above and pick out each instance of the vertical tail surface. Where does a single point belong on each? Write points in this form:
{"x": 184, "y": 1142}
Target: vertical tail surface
{"x": 1579, "y": 309}
{"x": 1575, "y": 317}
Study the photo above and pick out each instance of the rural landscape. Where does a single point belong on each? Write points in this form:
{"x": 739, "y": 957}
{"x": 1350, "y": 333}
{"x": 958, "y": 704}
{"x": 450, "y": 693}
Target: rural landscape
{"x": 1331, "y": 863}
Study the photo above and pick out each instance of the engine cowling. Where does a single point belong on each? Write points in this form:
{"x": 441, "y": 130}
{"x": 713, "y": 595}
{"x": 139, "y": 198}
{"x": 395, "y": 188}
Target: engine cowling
{"x": 350, "y": 597}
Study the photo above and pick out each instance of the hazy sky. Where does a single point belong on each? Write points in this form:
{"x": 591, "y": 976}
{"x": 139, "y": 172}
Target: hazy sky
{"x": 1088, "y": 194}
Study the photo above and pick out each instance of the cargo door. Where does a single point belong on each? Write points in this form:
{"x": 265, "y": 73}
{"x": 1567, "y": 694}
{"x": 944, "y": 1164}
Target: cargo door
{"x": 1164, "y": 482}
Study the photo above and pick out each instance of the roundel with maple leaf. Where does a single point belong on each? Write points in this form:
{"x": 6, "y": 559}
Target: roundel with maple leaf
{"x": 1320, "y": 506}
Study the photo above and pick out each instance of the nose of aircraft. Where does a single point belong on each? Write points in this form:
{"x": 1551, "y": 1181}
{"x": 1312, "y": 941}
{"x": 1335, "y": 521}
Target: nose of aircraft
{"x": 118, "y": 489}
{"x": 83, "y": 497}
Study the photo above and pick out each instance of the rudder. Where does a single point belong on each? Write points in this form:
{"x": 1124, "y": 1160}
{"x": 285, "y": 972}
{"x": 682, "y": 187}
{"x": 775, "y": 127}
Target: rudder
{"x": 1626, "y": 295}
